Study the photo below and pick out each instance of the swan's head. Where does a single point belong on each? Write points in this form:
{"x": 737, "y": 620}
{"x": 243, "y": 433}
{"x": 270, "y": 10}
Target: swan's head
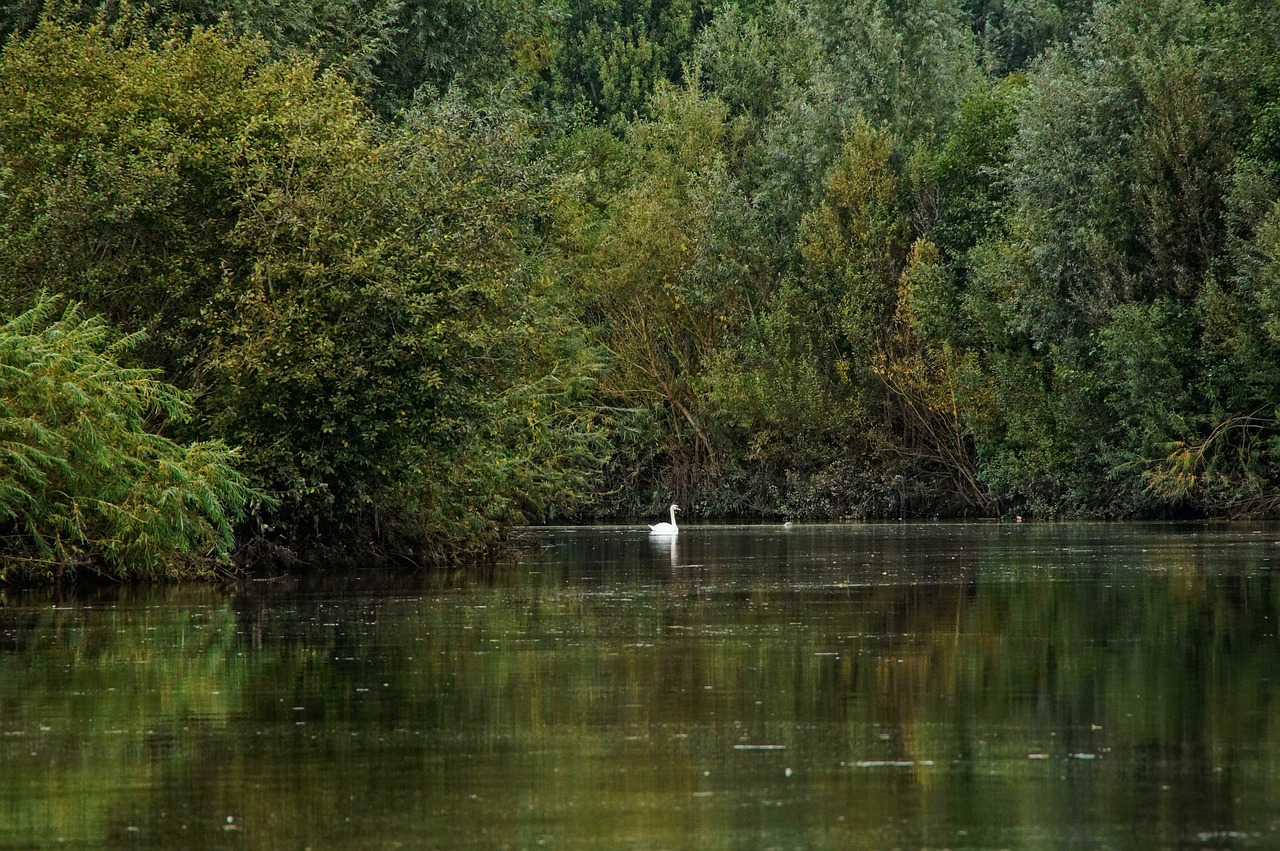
{"x": 675, "y": 507}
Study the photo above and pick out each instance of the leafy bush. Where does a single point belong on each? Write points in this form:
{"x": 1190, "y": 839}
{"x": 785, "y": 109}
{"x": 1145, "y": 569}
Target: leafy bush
{"x": 85, "y": 478}
{"x": 359, "y": 307}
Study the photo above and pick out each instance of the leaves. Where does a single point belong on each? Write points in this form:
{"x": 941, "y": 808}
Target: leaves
{"x": 469, "y": 263}
{"x": 86, "y": 478}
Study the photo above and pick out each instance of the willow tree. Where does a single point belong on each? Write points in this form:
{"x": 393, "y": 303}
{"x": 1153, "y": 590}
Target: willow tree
{"x": 1137, "y": 199}
{"x": 807, "y": 379}
{"x": 672, "y": 276}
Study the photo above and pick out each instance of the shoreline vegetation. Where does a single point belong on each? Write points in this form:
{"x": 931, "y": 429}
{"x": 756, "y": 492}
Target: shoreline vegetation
{"x": 386, "y": 279}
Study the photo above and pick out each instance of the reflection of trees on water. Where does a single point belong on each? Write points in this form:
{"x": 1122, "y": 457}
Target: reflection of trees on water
{"x": 614, "y": 670}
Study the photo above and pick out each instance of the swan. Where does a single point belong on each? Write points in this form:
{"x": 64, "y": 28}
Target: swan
{"x": 667, "y": 528}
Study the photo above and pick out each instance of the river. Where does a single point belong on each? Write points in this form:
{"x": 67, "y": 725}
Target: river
{"x": 935, "y": 685}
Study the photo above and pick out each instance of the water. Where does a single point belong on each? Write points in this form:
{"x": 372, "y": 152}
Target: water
{"x": 873, "y": 686}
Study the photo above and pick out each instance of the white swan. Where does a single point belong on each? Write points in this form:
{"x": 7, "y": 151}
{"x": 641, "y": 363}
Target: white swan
{"x": 667, "y": 528}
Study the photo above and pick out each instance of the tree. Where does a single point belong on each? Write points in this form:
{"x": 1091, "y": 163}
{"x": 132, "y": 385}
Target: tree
{"x": 1115, "y": 248}
{"x": 86, "y": 479}
{"x": 924, "y": 375}
{"x": 346, "y": 301}
{"x": 670, "y": 280}
{"x": 610, "y": 55}
{"x": 352, "y": 35}
{"x": 805, "y": 72}
{"x": 804, "y": 387}
{"x": 1014, "y": 33}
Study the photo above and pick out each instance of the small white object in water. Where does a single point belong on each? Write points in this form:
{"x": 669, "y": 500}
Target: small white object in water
{"x": 667, "y": 528}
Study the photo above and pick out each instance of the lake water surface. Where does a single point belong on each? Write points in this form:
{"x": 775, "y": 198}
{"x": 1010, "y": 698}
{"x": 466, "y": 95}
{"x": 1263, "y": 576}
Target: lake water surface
{"x": 847, "y": 686}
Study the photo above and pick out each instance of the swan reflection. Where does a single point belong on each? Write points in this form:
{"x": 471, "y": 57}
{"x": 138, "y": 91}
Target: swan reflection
{"x": 665, "y": 545}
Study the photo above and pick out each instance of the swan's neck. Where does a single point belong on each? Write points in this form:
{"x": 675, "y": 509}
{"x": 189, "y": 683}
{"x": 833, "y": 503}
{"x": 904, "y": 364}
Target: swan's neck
{"x": 673, "y": 515}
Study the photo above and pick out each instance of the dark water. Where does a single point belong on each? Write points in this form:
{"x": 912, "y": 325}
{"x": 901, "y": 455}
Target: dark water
{"x": 915, "y": 686}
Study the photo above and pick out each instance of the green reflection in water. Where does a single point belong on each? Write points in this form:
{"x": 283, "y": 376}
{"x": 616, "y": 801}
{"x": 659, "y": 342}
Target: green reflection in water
{"x": 824, "y": 687}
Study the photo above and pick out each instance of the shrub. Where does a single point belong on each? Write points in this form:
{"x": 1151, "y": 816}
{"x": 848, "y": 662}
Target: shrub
{"x": 86, "y": 480}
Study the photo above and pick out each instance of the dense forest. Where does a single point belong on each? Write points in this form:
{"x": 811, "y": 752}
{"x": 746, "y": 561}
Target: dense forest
{"x": 386, "y": 278}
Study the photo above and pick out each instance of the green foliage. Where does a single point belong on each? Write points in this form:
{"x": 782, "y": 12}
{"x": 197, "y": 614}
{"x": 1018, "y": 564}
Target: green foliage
{"x": 470, "y": 263}
{"x": 390, "y": 48}
{"x": 471, "y": 44}
{"x": 853, "y": 247}
{"x": 807, "y": 71}
{"x": 372, "y": 359}
{"x": 1125, "y": 199}
{"x": 1013, "y": 33}
{"x": 349, "y": 303}
{"x": 610, "y": 55}
{"x": 744, "y": 62}
{"x": 120, "y": 158}
{"x": 86, "y": 481}
{"x": 351, "y": 35}
{"x": 1119, "y": 166}
{"x": 801, "y": 388}
{"x": 670, "y": 282}
{"x": 348, "y": 34}
{"x": 963, "y": 173}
